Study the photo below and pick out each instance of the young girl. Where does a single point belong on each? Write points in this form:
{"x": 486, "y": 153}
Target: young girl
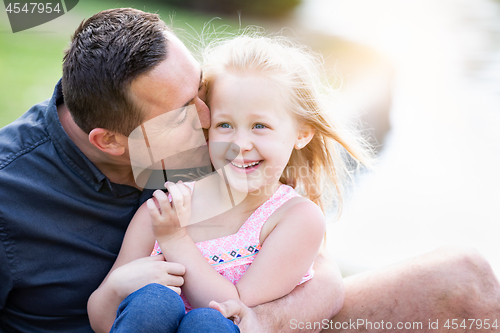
{"x": 271, "y": 138}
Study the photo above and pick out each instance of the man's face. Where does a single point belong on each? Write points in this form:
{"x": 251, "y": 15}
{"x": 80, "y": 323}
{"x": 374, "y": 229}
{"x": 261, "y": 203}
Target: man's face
{"x": 172, "y": 135}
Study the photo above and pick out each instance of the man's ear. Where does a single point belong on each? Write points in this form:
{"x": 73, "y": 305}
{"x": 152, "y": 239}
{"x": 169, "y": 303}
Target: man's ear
{"x": 306, "y": 133}
{"x": 108, "y": 141}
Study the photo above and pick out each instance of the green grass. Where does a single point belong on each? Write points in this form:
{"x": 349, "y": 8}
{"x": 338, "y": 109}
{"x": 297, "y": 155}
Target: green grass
{"x": 31, "y": 60}
{"x": 30, "y": 64}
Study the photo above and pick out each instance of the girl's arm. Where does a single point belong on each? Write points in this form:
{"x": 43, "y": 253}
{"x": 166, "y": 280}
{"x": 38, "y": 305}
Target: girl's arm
{"x": 132, "y": 270}
{"x": 284, "y": 258}
{"x": 317, "y": 300}
{"x": 286, "y": 254}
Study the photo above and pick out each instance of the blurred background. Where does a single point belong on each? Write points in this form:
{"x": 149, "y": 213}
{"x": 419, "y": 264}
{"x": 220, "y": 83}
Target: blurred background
{"x": 422, "y": 78}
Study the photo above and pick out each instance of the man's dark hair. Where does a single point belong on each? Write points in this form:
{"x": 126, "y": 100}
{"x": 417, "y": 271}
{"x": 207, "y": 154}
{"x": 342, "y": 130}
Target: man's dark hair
{"x": 107, "y": 52}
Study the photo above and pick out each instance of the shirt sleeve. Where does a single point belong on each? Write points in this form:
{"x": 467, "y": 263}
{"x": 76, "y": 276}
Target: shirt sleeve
{"x": 5, "y": 277}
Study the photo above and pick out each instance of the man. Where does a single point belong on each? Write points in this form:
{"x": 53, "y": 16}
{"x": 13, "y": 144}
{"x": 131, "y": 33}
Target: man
{"x": 67, "y": 186}
{"x": 68, "y": 192}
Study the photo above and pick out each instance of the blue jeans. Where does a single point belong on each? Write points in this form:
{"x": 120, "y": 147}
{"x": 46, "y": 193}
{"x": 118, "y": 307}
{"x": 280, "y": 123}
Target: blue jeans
{"x": 156, "y": 308}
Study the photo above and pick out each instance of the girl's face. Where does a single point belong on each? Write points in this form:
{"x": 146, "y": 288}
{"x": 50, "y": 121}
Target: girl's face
{"x": 252, "y": 135}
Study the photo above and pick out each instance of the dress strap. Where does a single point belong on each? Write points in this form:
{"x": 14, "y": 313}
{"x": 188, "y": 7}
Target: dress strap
{"x": 255, "y": 222}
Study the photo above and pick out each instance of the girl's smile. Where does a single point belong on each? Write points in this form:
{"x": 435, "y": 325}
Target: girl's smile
{"x": 245, "y": 166}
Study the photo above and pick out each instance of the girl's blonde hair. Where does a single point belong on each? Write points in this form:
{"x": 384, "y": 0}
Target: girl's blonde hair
{"x": 320, "y": 169}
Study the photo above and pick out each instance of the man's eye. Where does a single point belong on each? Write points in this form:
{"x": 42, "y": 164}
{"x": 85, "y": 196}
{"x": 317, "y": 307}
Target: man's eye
{"x": 202, "y": 85}
{"x": 182, "y": 116}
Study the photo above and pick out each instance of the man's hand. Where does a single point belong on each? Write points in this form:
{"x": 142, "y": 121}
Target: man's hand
{"x": 241, "y": 315}
{"x": 138, "y": 273}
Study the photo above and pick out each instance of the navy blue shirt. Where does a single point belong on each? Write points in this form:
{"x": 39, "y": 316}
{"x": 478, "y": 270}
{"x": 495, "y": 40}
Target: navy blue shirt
{"x": 62, "y": 223}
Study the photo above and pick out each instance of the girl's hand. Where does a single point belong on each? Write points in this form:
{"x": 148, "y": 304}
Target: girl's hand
{"x": 170, "y": 218}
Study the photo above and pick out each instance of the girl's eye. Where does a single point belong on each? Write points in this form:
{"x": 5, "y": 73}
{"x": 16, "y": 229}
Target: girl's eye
{"x": 259, "y": 126}
{"x": 224, "y": 125}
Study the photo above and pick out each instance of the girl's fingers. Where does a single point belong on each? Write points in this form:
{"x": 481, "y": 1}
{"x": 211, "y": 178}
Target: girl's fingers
{"x": 153, "y": 209}
{"x": 186, "y": 193}
{"x": 181, "y": 201}
{"x": 161, "y": 197}
{"x": 175, "y": 192}
{"x": 178, "y": 191}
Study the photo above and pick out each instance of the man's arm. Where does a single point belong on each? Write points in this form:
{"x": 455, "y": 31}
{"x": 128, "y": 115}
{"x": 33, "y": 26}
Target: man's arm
{"x": 422, "y": 295}
{"x": 320, "y": 298}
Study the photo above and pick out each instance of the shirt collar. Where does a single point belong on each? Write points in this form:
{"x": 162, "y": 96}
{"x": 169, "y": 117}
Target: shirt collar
{"x": 72, "y": 155}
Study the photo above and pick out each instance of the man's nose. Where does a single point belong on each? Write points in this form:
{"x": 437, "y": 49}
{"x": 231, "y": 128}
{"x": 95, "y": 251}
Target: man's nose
{"x": 203, "y": 113}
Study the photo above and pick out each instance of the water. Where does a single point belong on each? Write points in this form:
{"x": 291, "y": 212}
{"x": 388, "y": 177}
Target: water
{"x": 437, "y": 181}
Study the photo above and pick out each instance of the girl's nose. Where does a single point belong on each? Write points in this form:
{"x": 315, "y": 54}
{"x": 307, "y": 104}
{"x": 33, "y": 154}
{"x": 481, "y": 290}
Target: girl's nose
{"x": 242, "y": 139}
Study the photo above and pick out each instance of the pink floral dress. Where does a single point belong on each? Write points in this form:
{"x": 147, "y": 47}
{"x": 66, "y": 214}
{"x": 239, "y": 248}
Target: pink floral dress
{"x": 232, "y": 255}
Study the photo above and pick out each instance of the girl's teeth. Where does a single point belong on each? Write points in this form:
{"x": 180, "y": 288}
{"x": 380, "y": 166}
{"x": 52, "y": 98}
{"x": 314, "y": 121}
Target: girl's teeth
{"x": 245, "y": 165}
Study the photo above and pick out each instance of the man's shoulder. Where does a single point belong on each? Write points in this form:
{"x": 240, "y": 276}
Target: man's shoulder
{"x": 23, "y": 135}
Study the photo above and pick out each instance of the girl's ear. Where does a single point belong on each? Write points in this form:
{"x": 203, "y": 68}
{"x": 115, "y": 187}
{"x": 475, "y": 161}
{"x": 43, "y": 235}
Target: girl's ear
{"x": 108, "y": 141}
{"x": 306, "y": 133}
